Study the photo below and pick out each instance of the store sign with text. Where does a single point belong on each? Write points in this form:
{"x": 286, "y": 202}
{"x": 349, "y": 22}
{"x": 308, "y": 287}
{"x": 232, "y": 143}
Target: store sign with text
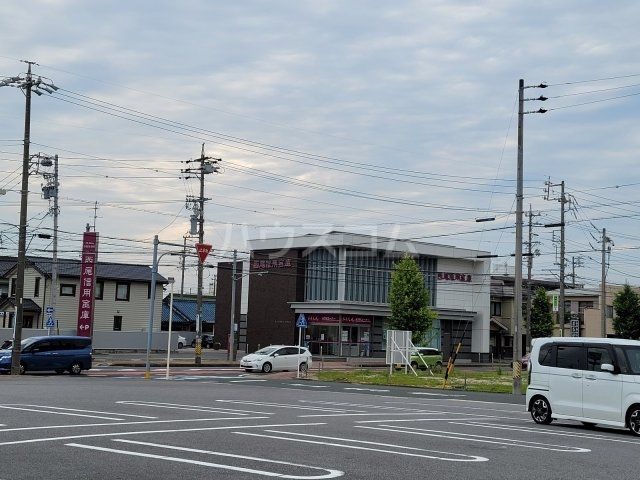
{"x": 454, "y": 277}
{"x": 87, "y": 283}
{"x": 334, "y": 319}
{"x": 271, "y": 263}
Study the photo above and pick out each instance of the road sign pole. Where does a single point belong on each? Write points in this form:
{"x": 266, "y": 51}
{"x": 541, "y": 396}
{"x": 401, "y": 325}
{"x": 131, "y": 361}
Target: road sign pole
{"x": 299, "y": 345}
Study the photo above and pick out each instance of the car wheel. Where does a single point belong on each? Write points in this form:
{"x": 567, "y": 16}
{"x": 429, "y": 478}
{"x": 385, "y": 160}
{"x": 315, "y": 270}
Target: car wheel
{"x": 59, "y": 371}
{"x": 266, "y": 367}
{"x": 304, "y": 368}
{"x": 634, "y": 420}
{"x": 541, "y": 411}
{"x": 75, "y": 368}
{"x": 414, "y": 365}
{"x": 180, "y": 345}
{"x": 216, "y": 346}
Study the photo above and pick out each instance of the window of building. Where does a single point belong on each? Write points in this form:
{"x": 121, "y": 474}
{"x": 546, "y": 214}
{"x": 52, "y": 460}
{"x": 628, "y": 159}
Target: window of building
{"x": 99, "y": 290}
{"x": 67, "y": 290}
{"x": 13, "y": 287}
{"x": 117, "y": 323}
{"x": 36, "y": 288}
{"x": 496, "y": 309}
{"x": 123, "y": 291}
{"x": 583, "y": 305}
{"x": 609, "y": 311}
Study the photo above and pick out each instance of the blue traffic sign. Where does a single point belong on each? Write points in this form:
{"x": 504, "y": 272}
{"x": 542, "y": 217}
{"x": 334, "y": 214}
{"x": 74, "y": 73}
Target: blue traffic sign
{"x": 51, "y": 322}
{"x": 302, "y": 321}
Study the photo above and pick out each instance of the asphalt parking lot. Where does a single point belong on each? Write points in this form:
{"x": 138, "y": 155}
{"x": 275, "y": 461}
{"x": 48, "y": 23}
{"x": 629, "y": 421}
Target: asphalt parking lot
{"x": 248, "y": 426}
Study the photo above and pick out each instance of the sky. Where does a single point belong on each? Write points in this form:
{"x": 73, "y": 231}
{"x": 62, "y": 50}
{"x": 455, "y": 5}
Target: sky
{"x": 396, "y": 119}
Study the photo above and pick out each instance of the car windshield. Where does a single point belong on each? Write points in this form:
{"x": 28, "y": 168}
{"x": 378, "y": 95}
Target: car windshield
{"x": 266, "y": 351}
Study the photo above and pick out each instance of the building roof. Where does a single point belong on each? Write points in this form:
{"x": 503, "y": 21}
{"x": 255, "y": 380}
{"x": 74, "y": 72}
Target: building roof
{"x": 28, "y": 305}
{"x": 357, "y": 240}
{"x": 71, "y": 268}
{"x": 184, "y": 307}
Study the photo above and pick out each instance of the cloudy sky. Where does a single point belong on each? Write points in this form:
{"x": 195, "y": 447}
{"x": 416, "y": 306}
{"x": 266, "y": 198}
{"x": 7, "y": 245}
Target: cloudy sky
{"x": 389, "y": 118}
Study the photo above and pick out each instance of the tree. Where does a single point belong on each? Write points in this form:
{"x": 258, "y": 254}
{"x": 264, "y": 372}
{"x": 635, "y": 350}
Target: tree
{"x": 409, "y": 300}
{"x": 541, "y": 320}
{"x": 626, "y": 323}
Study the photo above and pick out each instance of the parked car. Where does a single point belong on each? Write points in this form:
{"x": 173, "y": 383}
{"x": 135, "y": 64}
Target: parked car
{"x": 277, "y": 358}
{"x": 525, "y": 362}
{"x": 591, "y": 380}
{"x": 423, "y": 357}
{"x": 181, "y": 341}
{"x": 56, "y": 352}
{"x": 6, "y": 345}
{"x": 207, "y": 342}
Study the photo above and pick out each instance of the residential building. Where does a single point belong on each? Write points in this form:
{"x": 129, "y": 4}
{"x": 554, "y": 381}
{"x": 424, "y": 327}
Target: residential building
{"x": 184, "y": 313}
{"x": 340, "y": 282}
{"x": 122, "y": 295}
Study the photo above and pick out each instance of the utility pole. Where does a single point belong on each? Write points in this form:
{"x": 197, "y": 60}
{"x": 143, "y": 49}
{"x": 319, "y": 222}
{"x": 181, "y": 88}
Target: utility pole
{"x": 207, "y": 165}
{"x": 517, "y": 303}
{"x": 576, "y": 262}
{"x": 184, "y": 256}
{"x": 530, "y": 254}
{"x": 50, "y": 191}
{"x": 38, "y": 85}
{"x": 603, "y": 283}
{"x": 562, "y": 201}
{"x": 232, "y": 341}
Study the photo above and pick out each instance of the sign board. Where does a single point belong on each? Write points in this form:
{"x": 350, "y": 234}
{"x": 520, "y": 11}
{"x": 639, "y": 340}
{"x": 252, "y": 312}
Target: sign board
{"x": 50, "y": 322}
{"x": 87, "y": 283}
{"x": 575, "y": 325}
{"x": 302, "y": 321}
{"x": 49, "y": 310}
{"x": 203, "y": 250}
{"x": 554, "y": 302}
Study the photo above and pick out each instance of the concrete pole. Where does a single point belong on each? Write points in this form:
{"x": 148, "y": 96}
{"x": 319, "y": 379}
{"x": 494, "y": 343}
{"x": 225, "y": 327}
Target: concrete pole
{"x": 152, "y": 302}
{"x": 529, "y": 268}
{"x": 603, "y": 289}
{"x": 562, "y": 248}
{"x": 232, "y": 341}
{"x": 517, "y": 341}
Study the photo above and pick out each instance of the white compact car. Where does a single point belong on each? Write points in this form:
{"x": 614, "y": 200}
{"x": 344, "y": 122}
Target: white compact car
{"x": 277, "y": 358}
{"x": 591, "y": 380}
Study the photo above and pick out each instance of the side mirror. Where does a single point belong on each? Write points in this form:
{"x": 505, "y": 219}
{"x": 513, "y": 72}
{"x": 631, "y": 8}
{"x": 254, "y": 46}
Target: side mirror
{"x": 607, "y": 367}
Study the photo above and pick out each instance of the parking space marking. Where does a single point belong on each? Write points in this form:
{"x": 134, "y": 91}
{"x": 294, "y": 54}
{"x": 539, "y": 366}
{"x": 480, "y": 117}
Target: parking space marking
{"x": 59, "y": 413}
{"x": 549, "y": 431}
{"x": 330, "y": 473}
{"x": 519, "y": 409}
{"x": 289, "y": 406}
{"x": 375, "y": 446}
{"x": 365, "y": 405}
{"x": 194, "y": 408}
{"x": 475, "y": 416}
{"x": 307, "y": 385}
{"x": 248, "y": 380}
{"x": 477, "y": 438}
{"x": 89, "y": 411}
{"x": 364, "y": 414}
{"x": 366, "y": 389}
{"x": 437, "y": 394}
{"x": 173, "y": 430}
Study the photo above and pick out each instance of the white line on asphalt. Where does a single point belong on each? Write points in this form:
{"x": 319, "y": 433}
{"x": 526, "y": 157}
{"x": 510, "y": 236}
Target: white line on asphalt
{"x": 128, "y": 370}
{"x": 88, "y": 411}
{"x": 409, "y": 450}
{"x": 178, "y": 406}
{"x": 511, "y": 442}
{"x": 307, "y": 385}
{"x": 544, "y": 431}
{"x": 247, "y": 380}
{"x": 473, "y": 416}
{"x": 174, "y": 430}
{"x": 289, "y": 406}
{"x": 59, "y": 413}
{"x": 436, "y": 394}
{"x": 368, "y": 414}
{"x": 365, "y": 389}
{"x": 330, "y": 473}
{"x": 364, "y": 405}
{"x": 517, "y": 409}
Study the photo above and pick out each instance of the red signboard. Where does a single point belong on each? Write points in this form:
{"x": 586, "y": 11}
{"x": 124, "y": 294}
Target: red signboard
{"x": 87, "y": 283}
{"x": 203, "y": 250}
{"x": 334, "y": 318}
{"x": 454, "y": 277}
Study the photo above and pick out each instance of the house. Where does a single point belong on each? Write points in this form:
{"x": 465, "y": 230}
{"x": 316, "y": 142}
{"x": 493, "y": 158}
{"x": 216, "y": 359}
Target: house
{"x": 122, "y": 294}
{"x": 184, "y": 313}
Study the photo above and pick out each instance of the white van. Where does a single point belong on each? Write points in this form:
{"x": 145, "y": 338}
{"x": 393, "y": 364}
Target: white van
{"x": 592, "y": 380}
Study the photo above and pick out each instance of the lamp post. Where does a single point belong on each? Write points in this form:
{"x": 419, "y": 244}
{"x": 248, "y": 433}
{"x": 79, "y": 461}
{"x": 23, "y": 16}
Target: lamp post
{"x": 171, "y": 282}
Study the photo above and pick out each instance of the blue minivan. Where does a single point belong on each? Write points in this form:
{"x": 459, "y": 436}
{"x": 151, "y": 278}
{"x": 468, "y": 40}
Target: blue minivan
{"x": 56, "y": 352}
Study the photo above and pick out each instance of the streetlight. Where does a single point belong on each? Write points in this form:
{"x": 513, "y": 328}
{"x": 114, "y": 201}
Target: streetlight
{"x": 171, "y": 282}
{"x": 27, "y": 84}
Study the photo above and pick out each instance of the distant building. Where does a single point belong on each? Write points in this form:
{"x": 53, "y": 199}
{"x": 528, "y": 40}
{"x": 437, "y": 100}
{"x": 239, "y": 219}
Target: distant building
{"x": 340, "y": 282}
{"x": 184, "y": 313}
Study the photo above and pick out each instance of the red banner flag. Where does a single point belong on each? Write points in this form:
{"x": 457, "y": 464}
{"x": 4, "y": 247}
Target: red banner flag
{"x": 88, "y": 268}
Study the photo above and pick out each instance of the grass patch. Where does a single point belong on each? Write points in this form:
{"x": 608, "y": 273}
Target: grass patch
{"x": 474, "y": 381}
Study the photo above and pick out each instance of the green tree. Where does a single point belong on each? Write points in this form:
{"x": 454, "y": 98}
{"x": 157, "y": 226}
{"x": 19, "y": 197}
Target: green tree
{"x": 409, "y": 300}
{"x": 627, "y": 320}
{"x": 541, "y": 320}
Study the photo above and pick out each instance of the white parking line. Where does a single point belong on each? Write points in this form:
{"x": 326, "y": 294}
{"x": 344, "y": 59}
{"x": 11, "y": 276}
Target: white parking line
{"x": 289, "y": 406}
{"x": 437, "y": 394}
{"x": 173, "y": 430}
{"x": 365, "y": 389}
{"x": 248, "y": 380}
{"x": 87, "y": 411}
{"x": 307, "y": 385}
{"x": 400, "y": 449}
{"x": 477, "y": 438}
{"x": 58, "y": 413}
{"x": 330, "y": 473}
{"x": 199, "y": 408}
